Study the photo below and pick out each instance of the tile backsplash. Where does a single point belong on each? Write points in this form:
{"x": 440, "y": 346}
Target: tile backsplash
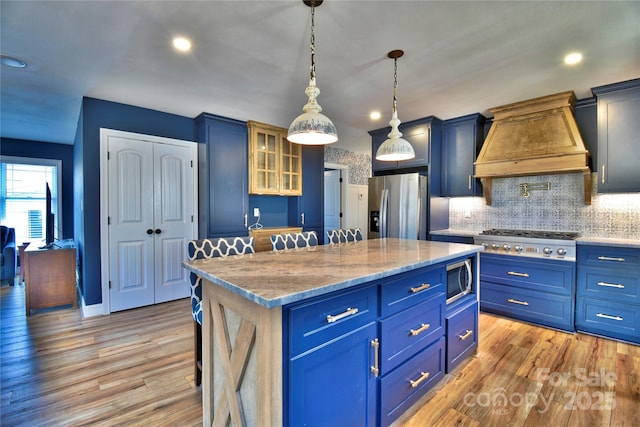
{"x": 559, "y": 208}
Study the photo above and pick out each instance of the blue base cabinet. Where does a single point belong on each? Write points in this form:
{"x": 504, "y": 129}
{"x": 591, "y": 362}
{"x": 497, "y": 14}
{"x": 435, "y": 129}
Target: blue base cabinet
{"x": 536, "y": 291}
{"x": 462, "y": 331}
{"x": 608, "y": 292}
{"x": 332, "y": 384}
{"x": 363, "y": 356}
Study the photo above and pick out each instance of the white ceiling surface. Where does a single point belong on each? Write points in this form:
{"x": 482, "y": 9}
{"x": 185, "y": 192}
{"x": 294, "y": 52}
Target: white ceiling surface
{"x": 250, "y": 59}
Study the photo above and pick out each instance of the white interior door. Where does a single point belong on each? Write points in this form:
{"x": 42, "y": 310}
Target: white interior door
{"x": 173, "y": 193}
{"x": 151, "y": 191}
{"x": 131, "y": 236}
{"x": 331, "y": 200}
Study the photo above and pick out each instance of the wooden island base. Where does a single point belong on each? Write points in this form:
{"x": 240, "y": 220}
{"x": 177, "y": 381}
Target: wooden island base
{"x": 244, "y": 342}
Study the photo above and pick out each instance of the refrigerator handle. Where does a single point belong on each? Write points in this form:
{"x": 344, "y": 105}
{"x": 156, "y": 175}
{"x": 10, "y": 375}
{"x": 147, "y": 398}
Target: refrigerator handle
{"x": 384, "y": 207}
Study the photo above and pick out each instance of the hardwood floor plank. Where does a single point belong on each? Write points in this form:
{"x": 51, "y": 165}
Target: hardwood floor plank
{"x": 135, "y": 368}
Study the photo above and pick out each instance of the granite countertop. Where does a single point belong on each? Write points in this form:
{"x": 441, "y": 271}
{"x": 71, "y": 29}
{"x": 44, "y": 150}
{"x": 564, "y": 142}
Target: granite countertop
{"x": 274, "y": 279}
{"x": 607, "y": 241}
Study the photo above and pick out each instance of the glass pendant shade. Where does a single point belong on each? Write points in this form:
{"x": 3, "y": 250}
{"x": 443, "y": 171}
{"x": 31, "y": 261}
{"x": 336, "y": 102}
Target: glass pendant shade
{"x": 395, "y": 148}
{"x": 312, "y": 127}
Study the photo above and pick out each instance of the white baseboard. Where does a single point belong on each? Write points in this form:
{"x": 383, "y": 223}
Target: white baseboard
{"x": 91, "y": 310}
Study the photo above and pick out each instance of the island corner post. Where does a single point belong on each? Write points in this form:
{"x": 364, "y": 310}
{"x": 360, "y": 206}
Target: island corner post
{"x": 242, "y": 340}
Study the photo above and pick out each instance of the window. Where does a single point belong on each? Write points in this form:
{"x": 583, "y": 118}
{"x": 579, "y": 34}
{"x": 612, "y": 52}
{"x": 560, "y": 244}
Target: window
{"x": 22, "y": 196}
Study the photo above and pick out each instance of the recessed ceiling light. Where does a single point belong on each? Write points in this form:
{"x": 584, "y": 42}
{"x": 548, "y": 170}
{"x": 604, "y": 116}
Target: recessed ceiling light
{"x": 375, "y": 115}
{"x": 182, "y": 44}
{"x": 10, "y": 61}
{"x": 573, "y": 58}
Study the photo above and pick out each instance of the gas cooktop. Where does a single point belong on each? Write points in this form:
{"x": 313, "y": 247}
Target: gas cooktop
{"x": 533, "y": 234}
{"x": 543, "y": 244}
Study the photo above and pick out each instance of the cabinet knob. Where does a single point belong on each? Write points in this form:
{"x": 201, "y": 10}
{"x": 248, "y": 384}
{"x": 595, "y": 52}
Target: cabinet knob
{"x": 149, "y": 231}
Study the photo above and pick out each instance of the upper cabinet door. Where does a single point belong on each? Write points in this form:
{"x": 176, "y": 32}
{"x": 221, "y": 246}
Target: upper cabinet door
{"x": 618, "y": 137}
{"x": 223, "y": 200}
{"x": 275, "y": 164}
{"x": 462, "y": 139}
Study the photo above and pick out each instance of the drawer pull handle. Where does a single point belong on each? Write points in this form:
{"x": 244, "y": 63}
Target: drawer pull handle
{"x": 423, "y": 327}
{"x": 375, "y": 368}
{"x": 606, "y": 316}
{"x": 416, "y": 383}
{"x": 466, "y": 335}
{"x": 515, "y": 301}
{"x": 608, "y": 258}
{"x": 611, "y": 285}
{"x": 514, "y": 273}
{"x": 335, "y": 318}
{"x": 420, "y": 288}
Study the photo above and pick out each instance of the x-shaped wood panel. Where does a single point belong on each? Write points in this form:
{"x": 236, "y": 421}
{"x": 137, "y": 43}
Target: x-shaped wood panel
{"x": 234, "y": 359}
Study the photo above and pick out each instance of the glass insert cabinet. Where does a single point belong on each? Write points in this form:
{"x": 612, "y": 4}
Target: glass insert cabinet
{"x": 275, "y": 164}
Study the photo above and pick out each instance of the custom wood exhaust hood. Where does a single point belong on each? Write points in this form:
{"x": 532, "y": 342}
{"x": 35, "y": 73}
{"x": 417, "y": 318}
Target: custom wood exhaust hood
{"x": 535, "y": 137}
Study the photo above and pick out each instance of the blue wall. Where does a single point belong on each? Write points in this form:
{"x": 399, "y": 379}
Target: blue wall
{"x": 274, "y": 210}
{"x": 96, "y": 114}
{"x": 46, "y": 150}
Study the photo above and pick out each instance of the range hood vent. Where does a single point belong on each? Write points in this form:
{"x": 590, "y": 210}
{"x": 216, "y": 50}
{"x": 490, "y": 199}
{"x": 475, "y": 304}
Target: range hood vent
{"x": 535, "y": 137}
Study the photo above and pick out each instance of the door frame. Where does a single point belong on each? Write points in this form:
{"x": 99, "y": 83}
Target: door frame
{"x": 344, "y": 175}
{"x": 105, "y": 134}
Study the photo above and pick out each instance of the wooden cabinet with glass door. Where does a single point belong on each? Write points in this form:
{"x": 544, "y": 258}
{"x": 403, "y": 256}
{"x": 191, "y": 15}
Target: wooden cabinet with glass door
{"x": 275, "y": 164}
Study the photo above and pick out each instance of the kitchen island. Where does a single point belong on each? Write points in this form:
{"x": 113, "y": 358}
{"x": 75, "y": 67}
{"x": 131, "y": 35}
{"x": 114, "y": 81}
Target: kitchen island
{"x": 306, "y": 336}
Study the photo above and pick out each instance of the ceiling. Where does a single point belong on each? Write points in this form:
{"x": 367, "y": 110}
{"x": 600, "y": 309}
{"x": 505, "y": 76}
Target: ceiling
{"x": 250, "y": 59}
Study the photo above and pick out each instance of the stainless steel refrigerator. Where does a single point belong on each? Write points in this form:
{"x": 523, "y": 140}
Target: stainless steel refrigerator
{"x": 398, "y": 206}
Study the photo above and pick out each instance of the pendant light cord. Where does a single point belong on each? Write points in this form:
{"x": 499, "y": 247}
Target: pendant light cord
{"x": 313, "y": 42}
{"x": 395, "y": 84}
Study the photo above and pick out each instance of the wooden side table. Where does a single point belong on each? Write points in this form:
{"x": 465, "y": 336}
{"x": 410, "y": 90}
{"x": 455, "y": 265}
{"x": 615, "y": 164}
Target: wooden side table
{"x": 50, "y": 276}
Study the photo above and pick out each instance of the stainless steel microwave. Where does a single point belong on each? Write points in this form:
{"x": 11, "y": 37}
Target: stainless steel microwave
{"x": 459, "y": 279}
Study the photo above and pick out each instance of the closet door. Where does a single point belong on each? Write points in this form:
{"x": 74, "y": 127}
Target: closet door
{"x": 131, "y": 224}
{"x": 151, "y": 190}
{"x": 173, "y": 199}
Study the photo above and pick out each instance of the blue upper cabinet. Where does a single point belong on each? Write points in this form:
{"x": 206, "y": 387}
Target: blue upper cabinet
{"x": 618, "y": 137}
{"x": 223, "y": 197}
{"x": 462, "y": 139}
{"x": 307, "y": 211}
{"x": 424, "y": 136}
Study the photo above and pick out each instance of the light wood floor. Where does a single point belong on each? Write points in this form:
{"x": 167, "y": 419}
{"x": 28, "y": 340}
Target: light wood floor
{"x": 135, "y": 368}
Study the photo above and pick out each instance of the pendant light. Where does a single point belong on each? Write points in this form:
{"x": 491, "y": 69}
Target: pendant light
{"x": 312, "y": 127}
{"x": 395, "y": 148}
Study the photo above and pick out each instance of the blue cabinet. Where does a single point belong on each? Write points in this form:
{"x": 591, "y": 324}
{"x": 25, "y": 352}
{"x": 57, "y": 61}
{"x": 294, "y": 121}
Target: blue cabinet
{"x": 608, "y": 292}
{"x": 223, "y": 199}
{"x": 307, "y": 211}
{"x": 618, "y": 142}
{"x": 363, "y": 356}
{"x": 541, "y": 292}
{"x": 332, "y": 346}
{"x": 424, "y": 136}
{"x": 462, "y": 331}
{"x": 462, "y": 140}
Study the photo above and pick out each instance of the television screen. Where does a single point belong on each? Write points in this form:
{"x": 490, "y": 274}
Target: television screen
{"x": 48, "y": 215}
